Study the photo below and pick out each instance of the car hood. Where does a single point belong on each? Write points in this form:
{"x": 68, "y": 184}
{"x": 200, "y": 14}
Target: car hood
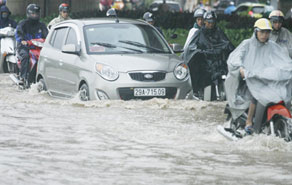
{"x": 139, "y": 62}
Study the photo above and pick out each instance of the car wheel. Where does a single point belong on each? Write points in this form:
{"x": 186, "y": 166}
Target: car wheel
{"x": 5, "y": 66}
{"x": 11, "y": 67}
{"x": 42, "y": 85}
{"x": 84, "y": 92}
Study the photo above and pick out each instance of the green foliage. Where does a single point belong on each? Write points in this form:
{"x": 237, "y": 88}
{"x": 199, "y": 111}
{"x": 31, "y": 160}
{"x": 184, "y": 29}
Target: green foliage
{"x": 236, "y": 28}
{"x": 181, "y": 35}
{"x": 236, "y": 36}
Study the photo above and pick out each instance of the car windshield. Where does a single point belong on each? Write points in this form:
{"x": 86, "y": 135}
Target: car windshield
{"x": 258, "y": 9}
{"x": 238, "y": 2}
{"x": 123, "y": 38}
{"x": 174, "y": 7}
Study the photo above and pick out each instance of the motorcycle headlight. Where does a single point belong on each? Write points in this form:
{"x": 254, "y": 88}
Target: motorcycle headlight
{"x": 181, "y": 71}
{"x": 106, "y": 72}
{"x": 37, "y": 43}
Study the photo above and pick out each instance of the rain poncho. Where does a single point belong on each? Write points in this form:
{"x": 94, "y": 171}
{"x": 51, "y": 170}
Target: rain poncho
{"x": 283, "y": 38}
{"x": 191, "y": 34}
{"x": 57, "y": 20}
{"x": 206, "y": 56}
{"x": 268, "y": 75}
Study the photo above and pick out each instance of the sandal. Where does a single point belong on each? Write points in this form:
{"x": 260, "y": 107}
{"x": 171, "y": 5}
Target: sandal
{"x": 249, "y": 130}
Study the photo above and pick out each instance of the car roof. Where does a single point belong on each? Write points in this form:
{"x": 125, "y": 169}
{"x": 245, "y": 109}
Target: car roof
{"x": 251, "y": 4}
{"x": 168, "y": 2}
{"x": 105, "y": 20}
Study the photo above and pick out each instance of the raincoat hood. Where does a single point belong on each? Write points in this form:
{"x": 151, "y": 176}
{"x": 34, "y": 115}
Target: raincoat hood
{"x": 268, "y": 75}
{"x": 4, "y": 9}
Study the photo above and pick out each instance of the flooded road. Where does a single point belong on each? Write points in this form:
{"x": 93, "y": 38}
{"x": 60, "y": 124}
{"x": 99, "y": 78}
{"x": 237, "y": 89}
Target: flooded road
{"x": 44, "y": 140}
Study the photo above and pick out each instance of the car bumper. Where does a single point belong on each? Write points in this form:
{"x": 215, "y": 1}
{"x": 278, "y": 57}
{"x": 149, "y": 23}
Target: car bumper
{"x": 123, "y": 87}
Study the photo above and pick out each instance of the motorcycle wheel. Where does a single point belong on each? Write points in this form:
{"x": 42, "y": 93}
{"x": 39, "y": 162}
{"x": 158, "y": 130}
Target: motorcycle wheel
{"x": 281, "y": 129}
{"x": 221, "y": 89}
{"x": 84, "y": 92}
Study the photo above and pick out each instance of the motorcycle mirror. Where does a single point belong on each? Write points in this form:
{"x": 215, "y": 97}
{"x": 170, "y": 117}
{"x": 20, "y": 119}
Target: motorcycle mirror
{"x": 173, "y": 36}
{"x": 112, "y": 12}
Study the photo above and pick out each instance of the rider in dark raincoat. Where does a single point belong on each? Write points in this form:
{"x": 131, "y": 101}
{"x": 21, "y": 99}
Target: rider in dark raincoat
{"x": 5, "y": 20}
{"x": 207, "y": 53}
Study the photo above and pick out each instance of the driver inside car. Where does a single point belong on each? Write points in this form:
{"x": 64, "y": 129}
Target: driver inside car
{"x": 260, "y": 71}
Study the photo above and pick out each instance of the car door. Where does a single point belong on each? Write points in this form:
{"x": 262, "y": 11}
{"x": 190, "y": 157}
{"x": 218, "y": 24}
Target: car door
{"x": 51, "y": 55}
{"x": 70, "y": 64}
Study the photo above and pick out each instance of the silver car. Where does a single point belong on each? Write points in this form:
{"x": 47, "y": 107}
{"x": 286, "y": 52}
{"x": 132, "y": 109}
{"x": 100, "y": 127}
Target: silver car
{"x": 107, "y": 58}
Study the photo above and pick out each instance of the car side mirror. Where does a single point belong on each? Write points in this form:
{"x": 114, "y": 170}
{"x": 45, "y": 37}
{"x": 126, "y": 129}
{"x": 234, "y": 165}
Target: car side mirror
{"x": 177, "y": 48}
{"x": 71, "y": 49}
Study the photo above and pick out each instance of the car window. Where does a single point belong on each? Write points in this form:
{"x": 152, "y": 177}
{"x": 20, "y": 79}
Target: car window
{"x": 71, "y": 38}
{"x": 53, "y": 37}
{"x": 174, "y": 7}
{"x": 238, "y": 2}
{"x": 154, "y": 6}
{"x": 258, "y": 9}
{"x": 122, "y": 38}
{"x": 224, "y": 4}
{"x": 59, "y": 38}
{"x": 242, "y": 9}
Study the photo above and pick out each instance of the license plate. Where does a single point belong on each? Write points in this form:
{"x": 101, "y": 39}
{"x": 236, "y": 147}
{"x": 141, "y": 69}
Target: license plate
{"x": 149, "y": 92}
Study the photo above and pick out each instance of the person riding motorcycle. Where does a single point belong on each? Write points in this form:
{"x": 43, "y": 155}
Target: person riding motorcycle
{"x": 198, "y": 15}
{"x": 5, "y": 21}
{"x": 149, "y": 18}
{"x": 259, "y": 71}
{"x": 30, "y": 28}
{"x": 280, "y": 35}
{"x": 206, "y": 54}
{"x": 63, "y": 15}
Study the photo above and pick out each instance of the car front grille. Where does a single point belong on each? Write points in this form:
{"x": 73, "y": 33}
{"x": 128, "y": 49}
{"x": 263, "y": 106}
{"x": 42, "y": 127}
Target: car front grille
{"x": 148, "y": 76}
{"x": 127, "y": 93}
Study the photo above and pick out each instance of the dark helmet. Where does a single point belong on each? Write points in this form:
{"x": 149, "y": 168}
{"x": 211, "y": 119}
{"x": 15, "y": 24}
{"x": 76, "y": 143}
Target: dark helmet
{"x": 33, "y": 12}
{"x": 210, "y": 16}
{"x": 64, "y": 7}
{"x": 148, "y": 17}
{"x": 199, "y": 13}
{"x": 4, "y": 9}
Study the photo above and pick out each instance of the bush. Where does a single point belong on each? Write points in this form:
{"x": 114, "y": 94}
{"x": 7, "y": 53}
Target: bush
{"x": 236, "y": 28}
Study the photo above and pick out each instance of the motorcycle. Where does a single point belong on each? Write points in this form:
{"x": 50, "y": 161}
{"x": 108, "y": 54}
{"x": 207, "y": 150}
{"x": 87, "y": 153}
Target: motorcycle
{"x": 35, "y": 46}
{"x": 273, "y": 119}
{"x": 8, "y": 60}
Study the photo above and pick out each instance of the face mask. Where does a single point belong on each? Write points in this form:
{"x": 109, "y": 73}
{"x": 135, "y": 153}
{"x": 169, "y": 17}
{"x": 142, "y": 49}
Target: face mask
{"x": 4, "y": 16}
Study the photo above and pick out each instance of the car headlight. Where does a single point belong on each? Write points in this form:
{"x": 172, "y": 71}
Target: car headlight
{"x": 181, "y": 71}
{"x": 106, "y": 72}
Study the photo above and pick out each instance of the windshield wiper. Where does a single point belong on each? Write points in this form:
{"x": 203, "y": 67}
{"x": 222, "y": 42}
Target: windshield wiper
{"x": 104, "y": 44}
{"x": 108, "y": 45}
{"x": 138, "y": 44}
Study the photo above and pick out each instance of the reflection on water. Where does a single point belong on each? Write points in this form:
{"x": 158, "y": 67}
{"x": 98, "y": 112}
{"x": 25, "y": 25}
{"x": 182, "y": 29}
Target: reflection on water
{"x": 44, "y": 140}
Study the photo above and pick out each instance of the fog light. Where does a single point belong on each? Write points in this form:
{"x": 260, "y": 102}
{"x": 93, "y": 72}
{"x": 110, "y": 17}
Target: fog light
{"x": 102, "y": 95}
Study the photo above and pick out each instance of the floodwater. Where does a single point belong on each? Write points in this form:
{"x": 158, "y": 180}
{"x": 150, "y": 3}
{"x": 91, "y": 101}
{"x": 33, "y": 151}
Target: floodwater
{"x": 44, "y": 140}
